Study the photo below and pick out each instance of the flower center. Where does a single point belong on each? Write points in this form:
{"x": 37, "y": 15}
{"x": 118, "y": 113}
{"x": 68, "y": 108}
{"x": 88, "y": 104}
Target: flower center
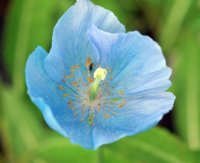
{"x": 99, "y": 75}
{"x": 91, "y": 93}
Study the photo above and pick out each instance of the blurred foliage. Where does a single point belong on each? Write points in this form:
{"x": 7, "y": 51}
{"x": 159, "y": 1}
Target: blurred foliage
{"x": 174, "y": 24}
{"x": 156, "y": 145}
{"x": 188, "y": 89}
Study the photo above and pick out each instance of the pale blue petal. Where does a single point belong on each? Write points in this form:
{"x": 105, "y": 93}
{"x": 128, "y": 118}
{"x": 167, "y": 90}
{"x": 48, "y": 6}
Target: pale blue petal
{"x": 48, "y": 115}
{"x": 138, "y": 115}
{"x": 139, "y": 69}
{"x": 136, "y": 61}
{"x": 38, "y": 82}
{"x": 70, "y": 44}
{"x": 44, "y": 92}
{"x": 157, "y": 81}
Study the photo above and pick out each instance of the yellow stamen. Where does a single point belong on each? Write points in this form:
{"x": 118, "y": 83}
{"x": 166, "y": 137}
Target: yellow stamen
{"x": 75, "y": 67}
{"x": 88, "y": 62}
{"x": 65, "y": 94}
{"x": 90, "y": 80}
{"x": 74, "y": 83}
{"x": 61, "y": 87}
{"x": 67, "y": 76}
{"x": 70, "y": 102}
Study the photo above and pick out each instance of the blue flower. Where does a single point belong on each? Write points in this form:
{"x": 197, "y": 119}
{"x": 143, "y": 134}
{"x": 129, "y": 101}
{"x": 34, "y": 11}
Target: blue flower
{"x": 98, "y": 83}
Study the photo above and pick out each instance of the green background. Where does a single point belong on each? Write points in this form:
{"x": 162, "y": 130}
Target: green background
{"x": 25, "y": 138}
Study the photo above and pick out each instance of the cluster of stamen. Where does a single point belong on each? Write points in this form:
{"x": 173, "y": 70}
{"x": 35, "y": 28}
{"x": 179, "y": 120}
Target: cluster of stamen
{"x": 84, "y": 99}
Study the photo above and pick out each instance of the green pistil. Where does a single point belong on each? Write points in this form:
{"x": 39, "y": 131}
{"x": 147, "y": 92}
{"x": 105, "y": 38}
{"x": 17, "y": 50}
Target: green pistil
{"x": 99, "y": 75}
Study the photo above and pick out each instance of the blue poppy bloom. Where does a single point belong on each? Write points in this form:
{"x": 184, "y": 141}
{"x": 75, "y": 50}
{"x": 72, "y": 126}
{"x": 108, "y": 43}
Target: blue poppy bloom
{"x": 98, "y": 83}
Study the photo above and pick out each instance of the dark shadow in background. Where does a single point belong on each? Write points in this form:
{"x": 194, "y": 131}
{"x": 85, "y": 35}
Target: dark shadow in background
{"x": 3, "y": 73}
{"x": 4, "y": 4}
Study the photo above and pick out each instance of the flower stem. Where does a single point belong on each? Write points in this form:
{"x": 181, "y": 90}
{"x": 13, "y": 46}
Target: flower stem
{"x": 100, "y": 155}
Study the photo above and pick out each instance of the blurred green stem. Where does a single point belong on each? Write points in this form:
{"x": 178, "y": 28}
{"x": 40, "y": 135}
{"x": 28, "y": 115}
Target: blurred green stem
{"x": 192, "y": 104}
{"x": 173, "y": 23}
{"x": 21, "y": 46}
{"x": 100, "y": 155}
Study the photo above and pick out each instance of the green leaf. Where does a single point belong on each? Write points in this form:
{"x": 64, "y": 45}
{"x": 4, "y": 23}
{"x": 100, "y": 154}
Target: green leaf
{"x": 156, "y": 145}
{"x": 29, "y": 24}
{"x": 173, "y": 24}
{"x": 197, "y": 155}
{"x": 20, "y": 128}
{"x": 186, "y": 80}
{"x": 56, "y": 148}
